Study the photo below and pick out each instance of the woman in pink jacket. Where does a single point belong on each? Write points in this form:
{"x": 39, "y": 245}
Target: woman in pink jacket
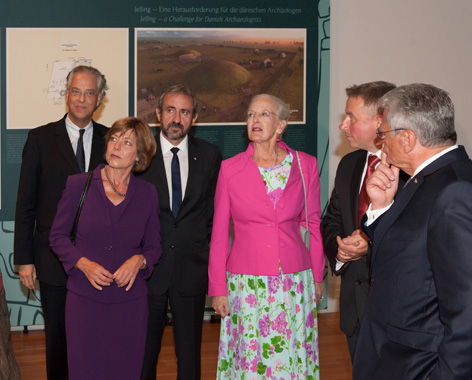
{"x": 266, "y": 286}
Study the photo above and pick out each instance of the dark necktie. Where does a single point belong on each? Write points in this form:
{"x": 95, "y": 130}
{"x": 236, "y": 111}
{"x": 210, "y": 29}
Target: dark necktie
{"x": 372, "y": 162}
{"x": 80, "y": 154}
{"x": 176, "y": 183}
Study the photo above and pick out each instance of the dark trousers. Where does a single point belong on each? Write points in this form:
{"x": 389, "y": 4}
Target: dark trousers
{"x": 352, "y": 341}
{"x": 53, "y": 302}
{"x": 187, "y": 319}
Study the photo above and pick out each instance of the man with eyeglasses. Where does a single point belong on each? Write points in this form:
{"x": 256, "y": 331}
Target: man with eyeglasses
{"x": 345, "y": 244}
{"x": 51, "y": 153}
{"x": 417, "y": 323}
{"x": 184, "y": 171}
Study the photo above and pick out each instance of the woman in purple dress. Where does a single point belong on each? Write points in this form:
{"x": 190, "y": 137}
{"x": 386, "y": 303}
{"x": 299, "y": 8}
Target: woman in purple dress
{"x": 117, "y": 245}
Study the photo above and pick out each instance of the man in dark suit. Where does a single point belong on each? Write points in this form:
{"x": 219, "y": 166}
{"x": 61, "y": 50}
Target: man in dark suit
{"x": 184, "y": 171}
{"x": 52, "y": 153}
{"x": 417, "y": 322}
{"x": 345, "y": 245}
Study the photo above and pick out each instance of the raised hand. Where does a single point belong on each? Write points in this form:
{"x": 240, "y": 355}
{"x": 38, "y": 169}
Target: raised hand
{"x": 382, "y": 185}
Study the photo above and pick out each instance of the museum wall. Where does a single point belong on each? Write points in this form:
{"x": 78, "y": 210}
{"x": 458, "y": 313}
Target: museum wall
{"x": 403, "y": 42}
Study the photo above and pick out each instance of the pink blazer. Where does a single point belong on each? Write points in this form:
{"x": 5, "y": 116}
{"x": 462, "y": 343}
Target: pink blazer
{"x": 264, "y": 235}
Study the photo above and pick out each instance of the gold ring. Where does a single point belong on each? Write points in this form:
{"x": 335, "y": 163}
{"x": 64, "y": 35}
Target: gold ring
{"x": 322, "y": 298}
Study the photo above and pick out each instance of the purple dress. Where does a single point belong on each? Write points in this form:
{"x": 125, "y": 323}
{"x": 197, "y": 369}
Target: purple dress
{"x": 106, "y": 330}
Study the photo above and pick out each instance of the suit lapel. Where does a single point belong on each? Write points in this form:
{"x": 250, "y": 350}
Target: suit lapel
{"x": 403, "y": 198}
{"x": 130, "y": 193}
{"x": 193, "y": 162}
{"x": 355, "y": 188}
{"x": 159, "y": 172}
{"x": 65, "y": 147}
{"x": 97, "y": 153}
{"x": 401, "y": 201}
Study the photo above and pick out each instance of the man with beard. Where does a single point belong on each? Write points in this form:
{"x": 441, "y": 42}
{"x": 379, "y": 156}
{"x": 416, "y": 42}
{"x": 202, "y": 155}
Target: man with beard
{"x": 184, "y": 171}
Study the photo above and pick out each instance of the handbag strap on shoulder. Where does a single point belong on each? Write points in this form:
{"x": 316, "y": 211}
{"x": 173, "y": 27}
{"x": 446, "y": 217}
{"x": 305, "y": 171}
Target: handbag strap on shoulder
{"x": 79, "y": 208}
{"x": 304, "y": 189}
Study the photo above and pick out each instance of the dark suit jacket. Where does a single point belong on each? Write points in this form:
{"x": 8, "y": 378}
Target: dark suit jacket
{"x": 48, "y": 159}
{"x": 340, "y": 219}
{"x": 417, "y": 322}
{"x": 107, "y": 238}
{"x": 186, "y": 239}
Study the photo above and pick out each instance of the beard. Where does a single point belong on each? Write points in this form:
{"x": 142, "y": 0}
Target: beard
{"x": 174, "y": 135}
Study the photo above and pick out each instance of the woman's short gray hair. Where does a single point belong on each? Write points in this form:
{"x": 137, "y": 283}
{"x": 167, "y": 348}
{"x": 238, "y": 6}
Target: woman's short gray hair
{"x": 282, "y": 112}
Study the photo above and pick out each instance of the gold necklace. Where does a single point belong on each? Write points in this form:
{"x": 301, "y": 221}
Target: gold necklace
{"x": 111, "y": 183}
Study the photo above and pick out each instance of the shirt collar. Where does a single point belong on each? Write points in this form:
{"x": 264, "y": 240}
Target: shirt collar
{"x": 74, "y": 127}
{"x": 166, "y": 146}
{"x": 433, "y": 158}
{"x": 378, "y": 154}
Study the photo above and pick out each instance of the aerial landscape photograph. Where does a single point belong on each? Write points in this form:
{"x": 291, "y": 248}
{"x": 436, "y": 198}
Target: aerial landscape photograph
{"x": 223, "y": 67}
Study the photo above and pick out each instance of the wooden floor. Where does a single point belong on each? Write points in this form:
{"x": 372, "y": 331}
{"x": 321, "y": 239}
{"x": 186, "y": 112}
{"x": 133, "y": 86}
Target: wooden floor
{"x": 334, "y": 356}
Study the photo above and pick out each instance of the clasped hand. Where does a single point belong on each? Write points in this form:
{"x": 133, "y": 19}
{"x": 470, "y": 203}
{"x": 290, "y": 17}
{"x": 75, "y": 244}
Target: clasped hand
{"x": 98, "y": 276}
{"x": 353, "y": 247}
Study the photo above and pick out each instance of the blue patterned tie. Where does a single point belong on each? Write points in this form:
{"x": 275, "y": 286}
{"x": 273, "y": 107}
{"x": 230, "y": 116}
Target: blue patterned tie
{"x": 176, "y": 183}
{"x": 80, "y": 154}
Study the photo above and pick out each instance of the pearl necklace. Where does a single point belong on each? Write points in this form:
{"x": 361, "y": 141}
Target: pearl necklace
{"x": 113, "y": 186}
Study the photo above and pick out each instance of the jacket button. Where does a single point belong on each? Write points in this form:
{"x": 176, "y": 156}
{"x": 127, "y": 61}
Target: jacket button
{"x": 108, "y": 247}
{"x": 172, "y": 247}
{"x": 358, "y": 282}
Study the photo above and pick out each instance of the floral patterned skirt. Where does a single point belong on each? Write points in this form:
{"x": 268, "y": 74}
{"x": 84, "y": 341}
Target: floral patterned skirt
{"x": 272, "y": 330}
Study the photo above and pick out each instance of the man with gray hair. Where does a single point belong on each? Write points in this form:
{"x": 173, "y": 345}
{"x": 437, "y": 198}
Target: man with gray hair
{"x": 345, "y": 245}
{"x": 51, "y": 153}
{"x": 417, "y": 323}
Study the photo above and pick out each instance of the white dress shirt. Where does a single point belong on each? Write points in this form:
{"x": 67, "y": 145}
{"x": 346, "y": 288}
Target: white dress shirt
{"x": 167, "y": 155}
{"x": 73, "y": 132}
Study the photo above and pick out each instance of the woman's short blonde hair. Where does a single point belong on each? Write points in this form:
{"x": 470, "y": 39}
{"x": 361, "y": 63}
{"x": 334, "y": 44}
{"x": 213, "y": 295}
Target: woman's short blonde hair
{"x": 145, "y": 142}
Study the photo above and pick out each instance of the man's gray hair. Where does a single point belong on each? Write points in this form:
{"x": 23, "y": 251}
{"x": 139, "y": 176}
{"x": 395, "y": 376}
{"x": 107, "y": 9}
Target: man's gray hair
{"x": 101, "y": 81}
{"x": 179, "y": 89}
{"x": 424, "y": 109}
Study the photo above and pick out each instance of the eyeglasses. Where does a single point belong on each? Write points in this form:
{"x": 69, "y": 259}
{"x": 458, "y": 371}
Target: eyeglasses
{"x": 89, "y": 94}
{"x": 263, "y": 114}
{"x": 381, "y": 134}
